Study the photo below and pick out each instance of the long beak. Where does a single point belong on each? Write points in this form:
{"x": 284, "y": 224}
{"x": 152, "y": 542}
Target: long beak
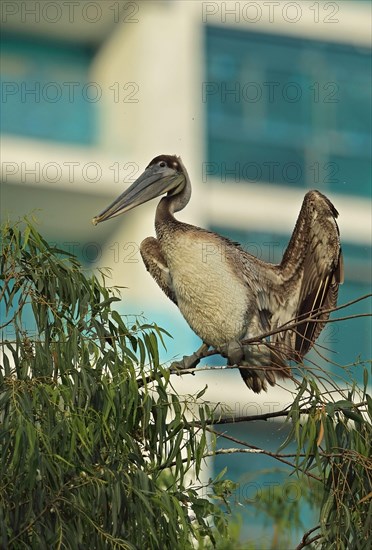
{"x": 149, "y": 185}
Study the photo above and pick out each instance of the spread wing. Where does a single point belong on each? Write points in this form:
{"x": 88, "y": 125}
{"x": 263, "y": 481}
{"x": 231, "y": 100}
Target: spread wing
{"x": 311, "y": 270}
{"x": 156, "y": 265}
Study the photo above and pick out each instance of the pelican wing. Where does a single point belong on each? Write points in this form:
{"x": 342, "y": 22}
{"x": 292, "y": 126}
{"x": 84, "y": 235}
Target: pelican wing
{"x": 312, "y": 269}
{"x": 157, "y": 267}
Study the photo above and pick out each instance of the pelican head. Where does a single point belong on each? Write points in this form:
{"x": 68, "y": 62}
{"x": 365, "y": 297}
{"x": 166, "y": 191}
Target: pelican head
{"x": 164, "y": 174}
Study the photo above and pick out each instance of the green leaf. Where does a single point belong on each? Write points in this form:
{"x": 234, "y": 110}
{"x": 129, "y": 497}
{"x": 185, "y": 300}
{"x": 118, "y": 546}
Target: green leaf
{"x": 26, "y": 236}
{"x": 353, "y": 415}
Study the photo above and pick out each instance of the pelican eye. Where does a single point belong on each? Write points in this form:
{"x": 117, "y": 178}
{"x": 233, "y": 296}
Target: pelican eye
{"x": 162, "y": 164}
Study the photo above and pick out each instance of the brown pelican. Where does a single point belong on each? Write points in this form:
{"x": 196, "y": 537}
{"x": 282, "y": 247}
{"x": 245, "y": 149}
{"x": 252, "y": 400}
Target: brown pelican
{"x": 232, "y": 296}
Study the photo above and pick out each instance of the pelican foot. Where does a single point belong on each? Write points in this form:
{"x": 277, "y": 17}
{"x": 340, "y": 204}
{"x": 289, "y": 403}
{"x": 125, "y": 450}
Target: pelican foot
{"x": 187, "y": 362}
{"x": 190, "y": 361}
{"x": 234, "y": 352}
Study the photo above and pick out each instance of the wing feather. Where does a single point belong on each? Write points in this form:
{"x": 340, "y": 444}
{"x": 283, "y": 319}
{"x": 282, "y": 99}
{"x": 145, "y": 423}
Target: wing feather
{"x": 312, "y": 265}
{"x": 157, "y": 267}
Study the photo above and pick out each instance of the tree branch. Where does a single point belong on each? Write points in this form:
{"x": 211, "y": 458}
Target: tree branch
{"x": 289, "y": 326}
{"x": 263, "y": 416}
{"x": 251, "y": 418}
{"x": 306, "y": 541}
{"x": 262, "y": 451}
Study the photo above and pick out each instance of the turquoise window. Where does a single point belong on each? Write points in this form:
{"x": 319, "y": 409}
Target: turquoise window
{"x": 46, "y": 92}
{"x": 288, "y": 110}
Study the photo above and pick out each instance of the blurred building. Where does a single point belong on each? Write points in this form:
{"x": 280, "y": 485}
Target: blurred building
{"x": 263, "y": 100}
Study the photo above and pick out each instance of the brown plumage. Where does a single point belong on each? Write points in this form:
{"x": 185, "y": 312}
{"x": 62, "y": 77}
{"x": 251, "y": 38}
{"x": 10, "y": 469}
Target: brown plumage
{"x": 227, "y": 295}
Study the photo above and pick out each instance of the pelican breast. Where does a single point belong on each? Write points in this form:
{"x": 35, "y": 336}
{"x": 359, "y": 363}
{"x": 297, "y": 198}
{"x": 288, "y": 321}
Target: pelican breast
{"x": 213, "y": 300}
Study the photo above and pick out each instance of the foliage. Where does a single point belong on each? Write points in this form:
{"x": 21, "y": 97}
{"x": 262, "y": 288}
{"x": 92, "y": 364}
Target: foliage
{"x": 91, "y": 453}
{"x": 97, "y": 447}
{"x": 332, "y": 435}
{"x": 334, "y": 445}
